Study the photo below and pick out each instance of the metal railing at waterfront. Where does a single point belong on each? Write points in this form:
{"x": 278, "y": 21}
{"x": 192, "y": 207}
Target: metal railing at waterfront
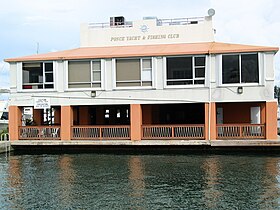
{"x": 118, "y": 132}
{"x": 173, "y": 132}
{"x": 39, "y": 132}
{"x": 241, "y": 131}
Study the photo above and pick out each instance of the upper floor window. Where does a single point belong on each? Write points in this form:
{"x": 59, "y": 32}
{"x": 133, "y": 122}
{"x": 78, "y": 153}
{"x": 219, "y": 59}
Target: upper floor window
{"x": 37, "y": 75}
{"x": 133, "y": 72}
{"x": 240, "y": 68}
{"x": 84, "y": 74}
{"x": 189, "y": 70}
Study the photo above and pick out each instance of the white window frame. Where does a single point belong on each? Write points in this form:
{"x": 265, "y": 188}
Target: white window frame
{"x": 102, "y": 85}
{"x": 193, "y": 71}
{"x": 20, "y": 83}
{"x": 141, "y": 75}
{"x": 260, "y": 64}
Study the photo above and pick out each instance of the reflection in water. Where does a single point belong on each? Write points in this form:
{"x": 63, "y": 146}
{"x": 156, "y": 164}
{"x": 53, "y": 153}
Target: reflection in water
{"x": 94, "y": 181}
{"x": 66, "y": 179}
{"x": 137, "y": 182}
{"x": 211, "y": 192}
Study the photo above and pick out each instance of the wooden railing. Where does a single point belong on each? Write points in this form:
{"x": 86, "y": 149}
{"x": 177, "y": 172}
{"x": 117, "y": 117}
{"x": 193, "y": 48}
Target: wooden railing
{"x": 241, "y": 131}
{"x": 118, "y": 132}
{"x": 173, "y": 132}
{"x": 39, "y": 132}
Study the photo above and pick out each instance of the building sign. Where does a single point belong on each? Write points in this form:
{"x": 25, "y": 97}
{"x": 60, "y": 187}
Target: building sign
{"x": 42, "y": 103}
{"x": 144, "y": 37}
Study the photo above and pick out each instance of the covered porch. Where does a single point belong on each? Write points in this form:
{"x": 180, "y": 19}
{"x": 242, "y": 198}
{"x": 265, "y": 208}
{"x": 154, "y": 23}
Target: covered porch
{"x": 173, "y": 121}
{"x": 110, "y": 122}
{"x": 244, "y": 120}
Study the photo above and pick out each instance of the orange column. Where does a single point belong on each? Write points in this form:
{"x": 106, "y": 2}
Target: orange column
{"x": 206, "y": 123}
{"x": 135, "y": 122}
{"x": 66, "y": 122}
{"x": 210, "y": 107}
{"x": 271, "y": 120}
{"x": 213, "y": 121}
{"x": 14, "y": 122}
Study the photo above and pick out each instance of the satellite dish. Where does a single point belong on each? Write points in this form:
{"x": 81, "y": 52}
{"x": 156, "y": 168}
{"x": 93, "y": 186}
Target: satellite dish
{"x": 211, "y": 12}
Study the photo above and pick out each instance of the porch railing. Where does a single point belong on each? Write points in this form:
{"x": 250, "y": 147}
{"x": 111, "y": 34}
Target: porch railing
{"x": 173, "y": 132}
{"x": 241, "y": 131}
{"x": 118, "y": 132}
{"x": 39, "y": 132}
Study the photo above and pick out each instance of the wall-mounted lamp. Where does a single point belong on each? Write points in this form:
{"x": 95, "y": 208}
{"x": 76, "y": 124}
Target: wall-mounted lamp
{"x": 93, "y": 94}
{"x": 240, "y": 90}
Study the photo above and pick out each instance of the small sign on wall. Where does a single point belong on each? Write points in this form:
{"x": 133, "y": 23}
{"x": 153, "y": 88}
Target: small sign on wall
{"x": 42, "y": 103}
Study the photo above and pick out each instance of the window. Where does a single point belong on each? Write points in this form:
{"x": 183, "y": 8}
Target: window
{"x": 84, "y": 74}
{"x": 133, "y": 72}
{"x": 241, "y": 68}
{"x": 185, "y": 70}
{"x": 37, "y": 75}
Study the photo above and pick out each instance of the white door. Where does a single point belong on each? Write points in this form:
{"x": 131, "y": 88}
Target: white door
{"x": 255, "y": 115}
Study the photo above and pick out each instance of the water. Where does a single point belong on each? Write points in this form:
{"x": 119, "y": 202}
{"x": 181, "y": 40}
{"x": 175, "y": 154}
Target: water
{"x": 107, "y": 181}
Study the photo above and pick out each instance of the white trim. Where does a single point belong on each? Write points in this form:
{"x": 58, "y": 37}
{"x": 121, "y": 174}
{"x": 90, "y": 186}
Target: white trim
{"x": 114, "y": 74}
{"x": 19, "y": 76}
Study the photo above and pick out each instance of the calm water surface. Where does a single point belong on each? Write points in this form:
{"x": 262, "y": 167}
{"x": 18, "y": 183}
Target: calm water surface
{"x": 106, "y": 181}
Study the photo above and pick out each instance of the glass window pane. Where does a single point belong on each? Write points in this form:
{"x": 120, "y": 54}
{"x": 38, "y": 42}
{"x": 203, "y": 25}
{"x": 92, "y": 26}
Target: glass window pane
{"x": 32, "y": 72}
{"x": 199, "y": 61}
{"x": 199, "y": 82}
{"x": 128, "y": 84}
{"x": 128, "y": 69}
{"x": 96, "y": 65}
{"x": 179, "y": 68}
{"x": 48, "y": 67}
{"x": 200, "y": 72}
{"x": 79, "y": 71}
{"x": 96, "y": 76}
{"x": 147, "y": 75}
{"x": 49, "y": 77}
{"x": 230, "y": 71}
{"x": 87, "y": 85}
{"x": 147, "y": 63}
{"x": 249, "y": 68}
{"x": 188, "y": 82}
{"x": 49, "y": 86}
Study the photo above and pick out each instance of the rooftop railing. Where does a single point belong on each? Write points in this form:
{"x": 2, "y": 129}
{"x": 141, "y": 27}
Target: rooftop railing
{"x": 160, "y": 22}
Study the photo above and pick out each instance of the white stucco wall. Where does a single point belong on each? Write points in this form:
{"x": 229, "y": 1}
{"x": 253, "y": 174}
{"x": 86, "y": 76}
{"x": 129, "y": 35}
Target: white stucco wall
{"x": 154, "y": 34}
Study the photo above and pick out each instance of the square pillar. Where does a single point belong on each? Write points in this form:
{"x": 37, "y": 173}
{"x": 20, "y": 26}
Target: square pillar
{"x": 135, "y": 122}
{"x": 271, "y": 120}
{"x": 210, "y": 134}
{"x": 15, "y": 115}
{"x": 66, "y": 122}
{"x": 213, "y": 121}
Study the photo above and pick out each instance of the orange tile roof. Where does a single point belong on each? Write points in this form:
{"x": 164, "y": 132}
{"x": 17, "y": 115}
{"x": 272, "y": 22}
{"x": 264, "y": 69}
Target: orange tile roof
{"x": 144, "y": 50}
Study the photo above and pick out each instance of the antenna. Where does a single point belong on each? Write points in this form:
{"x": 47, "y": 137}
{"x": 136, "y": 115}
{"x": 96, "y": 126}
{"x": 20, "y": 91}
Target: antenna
{"x": 211, "y": 12}
{"x": 37, "y": 47}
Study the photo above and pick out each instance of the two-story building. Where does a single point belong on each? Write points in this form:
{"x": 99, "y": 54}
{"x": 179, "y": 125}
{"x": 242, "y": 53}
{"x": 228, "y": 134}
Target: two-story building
{"x": 152, "y": 79}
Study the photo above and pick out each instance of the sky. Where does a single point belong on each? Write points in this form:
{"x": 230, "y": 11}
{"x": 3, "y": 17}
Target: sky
{"x": 53, "y": 25}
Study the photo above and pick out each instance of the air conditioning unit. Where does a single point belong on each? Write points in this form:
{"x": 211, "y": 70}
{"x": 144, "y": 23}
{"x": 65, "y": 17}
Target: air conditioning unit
{"x": 117, "y": 21}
